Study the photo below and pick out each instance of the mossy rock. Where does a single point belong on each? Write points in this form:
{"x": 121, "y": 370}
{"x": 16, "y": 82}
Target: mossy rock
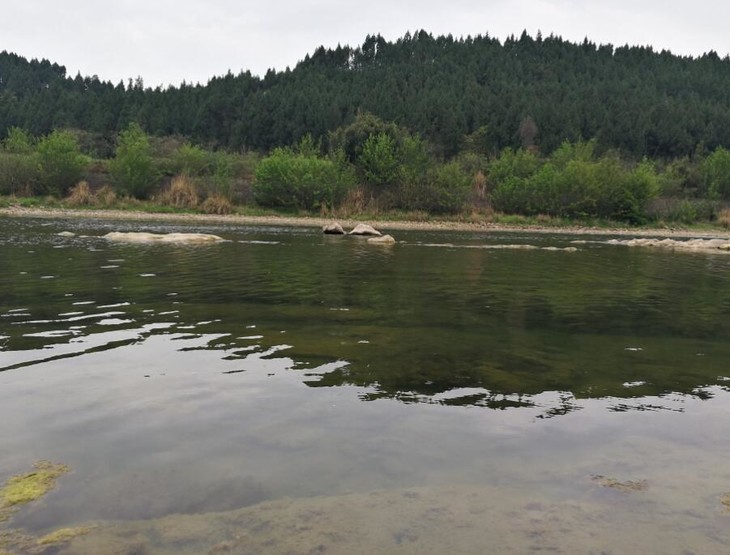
{"x": 725, "y": 500}
{"x": 29, "y": 487}
{"x": 63, "y": 535}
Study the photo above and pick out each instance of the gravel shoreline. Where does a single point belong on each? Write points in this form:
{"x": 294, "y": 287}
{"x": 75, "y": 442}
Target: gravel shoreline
{"x": 434, "y": 225}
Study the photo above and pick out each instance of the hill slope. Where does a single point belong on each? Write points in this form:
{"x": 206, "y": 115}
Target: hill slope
{"x": 523, "y": 91}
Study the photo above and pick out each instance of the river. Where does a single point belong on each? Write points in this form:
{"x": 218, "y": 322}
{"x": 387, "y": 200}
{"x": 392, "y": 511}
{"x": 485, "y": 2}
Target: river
{"x": 289, "y": 392}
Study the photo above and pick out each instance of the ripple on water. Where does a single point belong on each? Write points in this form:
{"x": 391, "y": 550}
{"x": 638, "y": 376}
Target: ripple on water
{"x": 488, "y": 366}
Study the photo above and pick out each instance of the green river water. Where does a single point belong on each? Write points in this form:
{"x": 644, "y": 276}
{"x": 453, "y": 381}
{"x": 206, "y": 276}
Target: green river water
{"x": 290, "y": 392}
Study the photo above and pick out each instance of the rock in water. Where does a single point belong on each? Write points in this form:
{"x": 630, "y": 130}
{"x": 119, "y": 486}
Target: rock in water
{"x": 333, "y": 229}
{"x": 142, "y": 237}
{"x": 66, "y": 234}
{"x": 383, "y": 240}
{"x": 365, "y": 229}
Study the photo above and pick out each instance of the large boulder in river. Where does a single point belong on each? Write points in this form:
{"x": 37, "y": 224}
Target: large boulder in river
{"x": 382, "y": 240}
{"x": 333, "y": 229}
{"x": 365, "y": 229}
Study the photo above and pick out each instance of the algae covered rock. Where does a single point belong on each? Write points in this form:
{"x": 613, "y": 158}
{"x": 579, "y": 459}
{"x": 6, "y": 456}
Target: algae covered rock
{"x": 63, "y": 535}
{"x": 29, "y": 487}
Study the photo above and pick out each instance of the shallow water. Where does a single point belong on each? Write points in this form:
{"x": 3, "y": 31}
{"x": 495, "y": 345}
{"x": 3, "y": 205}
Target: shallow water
{"x": 284, "y": 372}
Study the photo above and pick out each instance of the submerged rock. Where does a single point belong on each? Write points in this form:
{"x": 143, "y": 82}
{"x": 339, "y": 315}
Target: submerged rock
{"x": 626, "y": 487}
{"x": 365, "y": 229}
{"x": 63, "y": 535}
{"x": 22, "y": 489}
{"x": 66, "y": 234}
{"x": 382, "y": 240}
{"x": 144, "y": 237}
{"x": 333, "y": 229}
{"x": 689, "y": 244}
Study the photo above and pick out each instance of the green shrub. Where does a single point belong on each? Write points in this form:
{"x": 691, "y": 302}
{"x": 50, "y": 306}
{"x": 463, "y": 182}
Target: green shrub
{"x": 192, "y": 160}
{"x": 289, "y": 180}
{"x": 19, "y": 141}
{"x": 685, "y": 211}
{"x": 446, "y": 189}
{"x": 132, "y": 167}
{"x": 572, "y": 183}
{"x": 716, "y": 174}
{"x": 379, "y": 160}
{"x": 61, "y": 164}
{"x": 19, "y": 174}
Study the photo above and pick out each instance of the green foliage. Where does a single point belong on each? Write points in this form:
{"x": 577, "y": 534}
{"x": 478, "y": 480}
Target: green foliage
{"x": 481, "y": 141}
{"x": 716, "y": 172}
{"x": 446, "y": 190}
{"x": 19, "y": 141}
{"x": 685, "y": 211}
{"x": 60, "y": 162}
{"x": 351, "y": 138}
{"x": 19, "y": 174}
{"x": 132, "y": 167}
{"x": 379, "y": 160}
{"x": 472, "y": 94}
{"x": 223, "y": 169}
{"x": 414, "y": 161}
{"x": 683, "y": 178}
{"x": 192, "y": 160}
{"x": 572, "y": 182}
{"x": 307, "y": 146}
{"x": 519, "y": 164}
{"x": 639, "y": 186}
{"x": 290, "y": 180}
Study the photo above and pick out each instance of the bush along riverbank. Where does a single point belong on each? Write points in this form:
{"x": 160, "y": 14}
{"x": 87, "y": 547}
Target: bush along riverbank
{"x": 370, "y": 169}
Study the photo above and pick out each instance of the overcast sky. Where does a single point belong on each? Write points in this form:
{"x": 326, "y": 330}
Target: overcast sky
{"x": 168, "y": 41}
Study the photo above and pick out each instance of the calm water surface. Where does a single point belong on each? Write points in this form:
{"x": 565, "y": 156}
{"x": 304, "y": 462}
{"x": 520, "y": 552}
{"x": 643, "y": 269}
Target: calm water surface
{"x": 287, "y": 365}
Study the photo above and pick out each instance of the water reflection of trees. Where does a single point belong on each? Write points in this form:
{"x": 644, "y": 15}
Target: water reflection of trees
{"x": 413, "y": 322}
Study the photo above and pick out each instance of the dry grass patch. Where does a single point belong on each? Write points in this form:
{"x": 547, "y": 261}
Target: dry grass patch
{"x": 182, "y": 193}
{"x": 355, "y": 202}
{"x": 106, "y": 196}
{"x": 217, "y": 204}
{"x": 723, "y": 218}
{"x": 80, "y": 195}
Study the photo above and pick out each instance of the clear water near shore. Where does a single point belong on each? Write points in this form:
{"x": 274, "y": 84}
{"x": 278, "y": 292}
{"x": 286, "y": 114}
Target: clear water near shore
{"x": 257, "y": 392}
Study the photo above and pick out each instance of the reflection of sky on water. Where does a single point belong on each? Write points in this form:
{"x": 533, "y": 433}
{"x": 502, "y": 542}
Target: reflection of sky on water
{"x": 238, "y": 373}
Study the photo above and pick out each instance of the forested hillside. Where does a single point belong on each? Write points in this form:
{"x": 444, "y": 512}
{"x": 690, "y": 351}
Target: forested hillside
{"x": 538, "y": 126}
{"x": 524, "y": 92}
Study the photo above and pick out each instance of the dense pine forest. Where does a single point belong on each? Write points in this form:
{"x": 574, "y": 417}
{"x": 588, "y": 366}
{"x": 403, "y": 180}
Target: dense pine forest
{"x": 531, "y": 125}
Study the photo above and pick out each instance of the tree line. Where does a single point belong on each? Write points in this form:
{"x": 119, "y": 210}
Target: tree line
{"x": 440, "y": 125}
{"x": 518, "y": 93}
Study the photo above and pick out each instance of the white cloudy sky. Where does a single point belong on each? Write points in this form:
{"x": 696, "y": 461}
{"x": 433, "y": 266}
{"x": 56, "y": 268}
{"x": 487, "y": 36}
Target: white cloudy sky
{"x": 168, "y": 41}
